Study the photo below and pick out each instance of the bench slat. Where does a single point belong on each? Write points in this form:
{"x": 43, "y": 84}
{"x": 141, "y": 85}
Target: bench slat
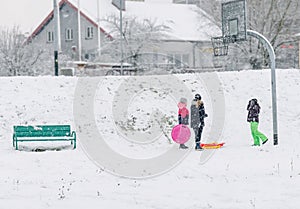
{"x": 41, "y": 134}
{"x": 42, "y": 128}
{"x": 45, "y": 138}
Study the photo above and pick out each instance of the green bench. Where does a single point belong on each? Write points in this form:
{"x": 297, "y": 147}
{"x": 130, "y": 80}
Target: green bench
{"x": 43, "y": 133}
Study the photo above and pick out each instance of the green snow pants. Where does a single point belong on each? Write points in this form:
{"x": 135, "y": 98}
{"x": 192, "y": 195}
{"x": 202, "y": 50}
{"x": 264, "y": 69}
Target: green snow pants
{"x": 257, "y": 136}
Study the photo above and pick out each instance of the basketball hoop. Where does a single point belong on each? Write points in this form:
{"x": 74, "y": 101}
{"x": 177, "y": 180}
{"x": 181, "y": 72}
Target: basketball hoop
{"x": 220, "y": 45}
{"x": 234, "y": 30}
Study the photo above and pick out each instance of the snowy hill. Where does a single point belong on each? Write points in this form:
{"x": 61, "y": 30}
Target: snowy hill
{"x": 237, "y": 176}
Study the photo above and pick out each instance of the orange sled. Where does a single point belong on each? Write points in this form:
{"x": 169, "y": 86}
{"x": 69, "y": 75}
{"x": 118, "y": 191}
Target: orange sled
{"x": 212, "y": 145}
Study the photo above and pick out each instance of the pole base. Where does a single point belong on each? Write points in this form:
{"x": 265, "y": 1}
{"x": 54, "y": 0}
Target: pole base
{"x": 275, "y": 137}
{"x": 56, "y": 63}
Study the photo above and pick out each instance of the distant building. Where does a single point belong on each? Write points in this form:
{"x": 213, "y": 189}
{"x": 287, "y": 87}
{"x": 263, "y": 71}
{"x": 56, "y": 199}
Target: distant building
{"x": 44, "y": 33}
{"x": 189, "y": 41}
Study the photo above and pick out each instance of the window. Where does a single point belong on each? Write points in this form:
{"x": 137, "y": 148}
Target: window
{"x": 179, "y": 1}
{"x": 179, "y": 60}
{"x": 185, "y": 59}
{"x": 186, "y": 1}
{"x": 86, "y": 57}
{"x": 170, "y": 58}
{"x": 50, "y": 36}
{"x": 69, "y": 34}
{"x": 89, "y": 32}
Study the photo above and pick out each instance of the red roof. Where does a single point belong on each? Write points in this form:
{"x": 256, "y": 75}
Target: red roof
{"x": 50, "y": 16}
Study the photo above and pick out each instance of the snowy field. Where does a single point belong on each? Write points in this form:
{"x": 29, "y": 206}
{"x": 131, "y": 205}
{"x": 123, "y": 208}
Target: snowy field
{"x": 238, "y": 176}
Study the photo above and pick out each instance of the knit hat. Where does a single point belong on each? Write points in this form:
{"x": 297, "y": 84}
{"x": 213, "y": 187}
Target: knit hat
{"x": 183, "y": 100}
{"x": 197, "y": 97}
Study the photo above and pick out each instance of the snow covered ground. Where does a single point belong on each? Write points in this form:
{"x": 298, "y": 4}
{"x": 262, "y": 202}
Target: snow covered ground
{"x": 237, "y": 176}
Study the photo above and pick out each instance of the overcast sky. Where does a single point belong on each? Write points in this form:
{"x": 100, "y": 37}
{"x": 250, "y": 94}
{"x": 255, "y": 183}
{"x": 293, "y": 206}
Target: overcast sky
{"x": 25, "y": 13}
{"x": 28, "y": 14}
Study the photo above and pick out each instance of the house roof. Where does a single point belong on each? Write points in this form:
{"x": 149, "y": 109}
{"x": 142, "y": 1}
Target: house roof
{"x": 50, "y": 17}
{"x": 187, "y": 22}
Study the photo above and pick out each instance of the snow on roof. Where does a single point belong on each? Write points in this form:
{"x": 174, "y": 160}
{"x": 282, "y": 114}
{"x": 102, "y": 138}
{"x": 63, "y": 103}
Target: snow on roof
{"x": 188, "y": 22}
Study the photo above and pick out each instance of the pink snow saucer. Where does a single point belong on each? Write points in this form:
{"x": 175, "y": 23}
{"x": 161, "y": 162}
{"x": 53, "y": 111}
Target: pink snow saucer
{"x": 181, "y": 133}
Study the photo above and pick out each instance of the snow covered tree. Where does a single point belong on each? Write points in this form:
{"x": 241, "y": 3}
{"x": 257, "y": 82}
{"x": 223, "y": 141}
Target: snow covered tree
{"x": 12, "y": 51}
{"x": 19, "y": 58}
{"x": 138, "y": 35}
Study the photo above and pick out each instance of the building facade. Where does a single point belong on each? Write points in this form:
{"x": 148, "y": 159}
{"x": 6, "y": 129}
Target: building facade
{"x": 193, "y": 52}
{"x": 69, "y": 33}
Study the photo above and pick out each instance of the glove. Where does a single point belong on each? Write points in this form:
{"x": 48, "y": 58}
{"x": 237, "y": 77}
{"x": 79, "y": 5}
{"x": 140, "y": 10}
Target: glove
{"x": 205, "y": 115}
{"x": 200, "y": 124}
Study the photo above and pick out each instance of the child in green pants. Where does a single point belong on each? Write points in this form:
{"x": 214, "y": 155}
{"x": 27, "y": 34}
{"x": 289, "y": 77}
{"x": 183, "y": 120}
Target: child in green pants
{"x": 253, "y": 117}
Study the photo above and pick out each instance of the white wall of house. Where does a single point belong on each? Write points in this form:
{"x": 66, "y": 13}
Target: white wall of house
{"x": 194, "y": 54}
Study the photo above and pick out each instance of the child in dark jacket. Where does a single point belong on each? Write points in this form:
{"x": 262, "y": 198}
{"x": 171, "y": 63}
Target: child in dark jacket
{"x": 253, "y": 118}
{"x": 197, "y": 119}
{"x": 183, "y": 116}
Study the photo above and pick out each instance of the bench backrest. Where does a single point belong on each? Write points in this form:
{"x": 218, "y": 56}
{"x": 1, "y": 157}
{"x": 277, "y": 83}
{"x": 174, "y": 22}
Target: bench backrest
{"x": 42, "y": 130}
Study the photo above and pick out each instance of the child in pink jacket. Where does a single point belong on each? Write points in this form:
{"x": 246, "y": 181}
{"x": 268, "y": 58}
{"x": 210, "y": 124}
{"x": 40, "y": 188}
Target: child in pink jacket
{"x": 183, "y": 116}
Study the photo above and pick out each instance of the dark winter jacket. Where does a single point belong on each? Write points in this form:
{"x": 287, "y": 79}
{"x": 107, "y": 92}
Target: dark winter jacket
{"x": 253, "y": 111}
{"x": 182, "y": 120}
{"x": 197, "y": 114}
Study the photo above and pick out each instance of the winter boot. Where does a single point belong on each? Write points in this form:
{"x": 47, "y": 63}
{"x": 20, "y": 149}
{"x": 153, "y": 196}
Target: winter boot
{"x": 183, "y": 146}
{"x": 198, "y": 147}
{"x": 264, "y": 141}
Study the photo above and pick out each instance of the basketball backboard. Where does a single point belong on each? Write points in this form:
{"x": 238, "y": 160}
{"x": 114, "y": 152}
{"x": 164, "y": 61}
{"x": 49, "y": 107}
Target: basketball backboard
{"x": 234, "y": 20}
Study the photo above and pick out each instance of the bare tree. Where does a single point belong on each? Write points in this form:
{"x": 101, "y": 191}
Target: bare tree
{"x": 213, "y": 10}
{"x": 138, "y": 36}
{"x": 275, "y": 19}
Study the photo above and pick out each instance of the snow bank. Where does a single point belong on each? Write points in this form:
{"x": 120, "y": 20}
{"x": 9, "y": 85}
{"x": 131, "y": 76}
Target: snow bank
{"x": 236, "y": 176}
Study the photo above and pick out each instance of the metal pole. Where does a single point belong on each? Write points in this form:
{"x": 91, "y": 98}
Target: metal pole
{"x": 299, "y": 54}
{"x": 56, "y": 63}
{"x": 270, "y": 49}
{"x": 99, "y": 30}
{"x": 79, "y": 32}
{"x": 121, "y": 40}
{"x": 56, "y": 36}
